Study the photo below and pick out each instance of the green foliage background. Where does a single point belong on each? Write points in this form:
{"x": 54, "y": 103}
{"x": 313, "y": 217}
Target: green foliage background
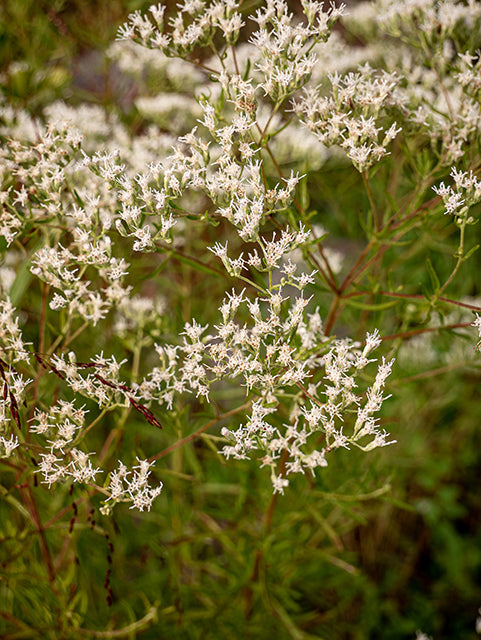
{"x": 378, "y": 547}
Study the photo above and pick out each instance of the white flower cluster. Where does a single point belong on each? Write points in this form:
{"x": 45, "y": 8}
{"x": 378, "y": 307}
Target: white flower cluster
{"x": 194, "y": 26}
{"x": 263, "y": 355}
{"x": 97, "y": 379}
{"x": 7, "y": 445}
{"x": 41, "y": 165}
{"x": 438, "y": 103}
{"x": 12, "y": 346}
{"x": 425, "y": 43}
{"x": 64, "y": 268}
{"x": 274, "y": 354}
{"x": 52, "y": 186}
{"x": 272, "y": 252}
{"x": 131, "y": 486}
{"x": 435, "y": 21}
{"x": 12, "y": 384}
{"x": 286, "y": 47}
{"x": 13, "y": 387}
{"x": 63, "y": 427}
{"x": 296, "y": 441}
{"x": 237, "y": 189}
{"x": 458, "y": 199}
{"x": 351, "y": 114}
{"x": 469, "y": 74}
{"x": 230, "y": 172}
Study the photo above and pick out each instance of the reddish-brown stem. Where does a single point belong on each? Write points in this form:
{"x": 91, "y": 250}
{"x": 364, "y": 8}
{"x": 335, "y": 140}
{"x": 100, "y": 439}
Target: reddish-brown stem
{"x": 414, "y": 332}
{"x": 62, "y": 512}
{"x": 351, "y": 276}
{"x": 29, "y": 502}
{"x": 413, "y": 214}
{"x": 414, "y": 296}
{"x": 332, "y": 315}
{"x": 62, "y": 553}
{"x": 197, "y": 433}
{"x": 234, "y": 58}
{"x": 428, "y": 374}
{"x": 328, "y": 267}
{"x": 360, "y": 266}
{"x": 307, "y": 394}
{"x": 381, "y": 251}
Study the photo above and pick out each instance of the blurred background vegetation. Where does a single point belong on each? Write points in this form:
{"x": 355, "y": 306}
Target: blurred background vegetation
{"x": 378, "y": 547}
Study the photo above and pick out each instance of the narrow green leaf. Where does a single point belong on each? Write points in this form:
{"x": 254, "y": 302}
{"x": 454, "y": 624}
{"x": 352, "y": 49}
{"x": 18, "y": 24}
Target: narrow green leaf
{"x": 433, "y": 275}
{"x": 471, "y": 251}
{"x": 196, "y": 264}
{"x": 392, "y": 202}
{"x": 21, "y": 282}
{"x": 157, "y": 270}
{"x": 375, "y": 306}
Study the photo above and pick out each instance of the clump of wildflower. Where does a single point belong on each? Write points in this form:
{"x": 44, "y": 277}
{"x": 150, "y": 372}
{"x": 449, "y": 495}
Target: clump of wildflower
{"x": 469, "y": 73}
{"x": 194, "y": 26}
{"x": 39, "y": 171}
{"x": 437, "y": 95}
{"x": 285, "y": 61}
{"x": 284, "y": 45}
{"x": 134, "y": 194}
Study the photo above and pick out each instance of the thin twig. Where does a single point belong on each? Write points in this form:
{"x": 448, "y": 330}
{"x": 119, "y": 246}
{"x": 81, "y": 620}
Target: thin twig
{"x": 197, "y": 433}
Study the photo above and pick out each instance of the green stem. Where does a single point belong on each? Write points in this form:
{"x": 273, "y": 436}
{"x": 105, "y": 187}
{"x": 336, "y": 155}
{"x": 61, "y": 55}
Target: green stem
{"x": 459, "y": 261}
{"x": 375, "y": 215}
